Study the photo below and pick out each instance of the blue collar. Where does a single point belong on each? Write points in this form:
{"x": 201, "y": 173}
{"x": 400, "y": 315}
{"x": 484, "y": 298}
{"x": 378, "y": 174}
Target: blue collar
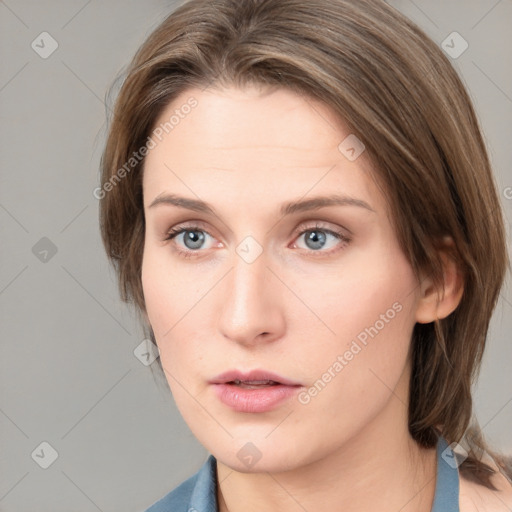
{"x": 446, "y": 498}
{"x": 199, "y": 492}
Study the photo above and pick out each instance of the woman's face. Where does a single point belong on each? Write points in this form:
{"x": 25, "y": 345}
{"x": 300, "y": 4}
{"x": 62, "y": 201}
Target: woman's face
{"x": 273, "y": 274}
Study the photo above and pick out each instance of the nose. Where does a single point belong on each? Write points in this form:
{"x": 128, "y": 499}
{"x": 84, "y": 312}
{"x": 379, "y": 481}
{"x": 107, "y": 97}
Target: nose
{"x": 251, "y": 312}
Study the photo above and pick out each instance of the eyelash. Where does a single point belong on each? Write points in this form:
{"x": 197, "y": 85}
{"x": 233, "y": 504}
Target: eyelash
{"x": 174, "y": 232}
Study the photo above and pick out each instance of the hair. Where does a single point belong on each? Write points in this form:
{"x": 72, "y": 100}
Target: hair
{"x": 397, "y": 92}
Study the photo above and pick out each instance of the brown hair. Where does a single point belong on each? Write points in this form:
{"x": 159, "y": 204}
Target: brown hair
{"x": 396, "y": 90}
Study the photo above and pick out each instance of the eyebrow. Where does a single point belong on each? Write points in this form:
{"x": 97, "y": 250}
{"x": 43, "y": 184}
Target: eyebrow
{"x": 286, "y": 209}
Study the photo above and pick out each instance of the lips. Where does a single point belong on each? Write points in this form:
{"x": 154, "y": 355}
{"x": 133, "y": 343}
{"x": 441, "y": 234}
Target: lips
{"x": 255, "y": 391}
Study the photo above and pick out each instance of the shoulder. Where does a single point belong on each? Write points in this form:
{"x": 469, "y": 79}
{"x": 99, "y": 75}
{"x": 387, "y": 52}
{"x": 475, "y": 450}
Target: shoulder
{"x": 177, "y": 500}
{"x": 474, "y": 497}
{"x": 197, "y": 492}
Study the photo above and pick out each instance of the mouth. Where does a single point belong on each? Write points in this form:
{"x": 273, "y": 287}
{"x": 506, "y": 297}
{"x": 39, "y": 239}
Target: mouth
{"x": 253, "y": 392}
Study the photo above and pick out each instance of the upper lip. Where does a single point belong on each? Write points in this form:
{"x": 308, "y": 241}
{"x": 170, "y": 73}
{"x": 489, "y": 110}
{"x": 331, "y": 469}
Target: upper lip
{"x": 251, "y": 375}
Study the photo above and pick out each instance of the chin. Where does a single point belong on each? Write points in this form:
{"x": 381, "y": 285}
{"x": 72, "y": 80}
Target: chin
{"x": 253, "y": 456}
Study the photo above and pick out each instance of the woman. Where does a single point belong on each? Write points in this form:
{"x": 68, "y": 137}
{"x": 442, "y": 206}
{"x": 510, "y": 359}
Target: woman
{"x": 297, "y": 198}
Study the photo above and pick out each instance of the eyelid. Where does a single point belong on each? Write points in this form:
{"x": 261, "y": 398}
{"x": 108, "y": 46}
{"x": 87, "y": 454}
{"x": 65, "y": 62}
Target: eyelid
{"x": 322, "y": 225}
{"x": 187, "y": 226}
{"x": 191, "y": 224}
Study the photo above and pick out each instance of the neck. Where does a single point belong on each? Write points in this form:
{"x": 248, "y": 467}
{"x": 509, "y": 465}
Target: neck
{"x": 388, "y": 482}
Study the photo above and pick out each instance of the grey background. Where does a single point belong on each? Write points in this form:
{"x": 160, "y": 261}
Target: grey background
{"x": 68, "y": 373}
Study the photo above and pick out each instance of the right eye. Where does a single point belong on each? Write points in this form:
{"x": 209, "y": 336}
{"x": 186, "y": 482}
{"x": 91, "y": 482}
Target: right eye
{"x": 192, "y": 238}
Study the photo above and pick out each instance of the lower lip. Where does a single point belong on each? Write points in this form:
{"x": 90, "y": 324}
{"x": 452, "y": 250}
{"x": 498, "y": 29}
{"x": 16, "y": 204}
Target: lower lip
{"x": 254, "y": 400}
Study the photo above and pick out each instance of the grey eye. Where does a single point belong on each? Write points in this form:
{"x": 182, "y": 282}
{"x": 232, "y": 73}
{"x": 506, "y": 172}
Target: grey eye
{"x": 315, "y": 239}
{"x": 193, "y": 239}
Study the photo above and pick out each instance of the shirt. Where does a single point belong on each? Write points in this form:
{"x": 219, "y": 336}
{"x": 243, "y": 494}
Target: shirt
{"x": 199, "y": 492}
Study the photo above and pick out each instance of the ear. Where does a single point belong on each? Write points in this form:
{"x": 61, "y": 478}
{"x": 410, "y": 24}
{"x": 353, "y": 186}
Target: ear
{"x": 433, "y": 303}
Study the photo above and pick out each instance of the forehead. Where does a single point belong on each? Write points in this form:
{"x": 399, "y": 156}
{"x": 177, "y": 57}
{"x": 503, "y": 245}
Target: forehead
{"x": 252, "y": 143}
{"x": 238, "y": 118}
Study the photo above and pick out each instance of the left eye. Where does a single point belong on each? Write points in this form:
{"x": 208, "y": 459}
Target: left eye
{"x": 316, "y": 239}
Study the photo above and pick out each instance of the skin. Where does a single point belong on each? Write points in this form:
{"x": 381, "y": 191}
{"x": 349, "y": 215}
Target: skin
{"x": 291, "y": 311}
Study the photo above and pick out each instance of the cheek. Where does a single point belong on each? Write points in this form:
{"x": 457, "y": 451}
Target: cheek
{"x": 172, "y": 303}
{"x": 155, "y": 289}
{"x": 160, "y": 294}
{"x": 363, "y": 313}
{"x": 167, "y": 292}
{"x": 365, "y": 292}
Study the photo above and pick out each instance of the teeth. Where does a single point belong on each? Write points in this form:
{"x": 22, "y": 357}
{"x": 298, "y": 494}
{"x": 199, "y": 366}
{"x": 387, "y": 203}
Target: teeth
{"x": 254, "y": 382}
